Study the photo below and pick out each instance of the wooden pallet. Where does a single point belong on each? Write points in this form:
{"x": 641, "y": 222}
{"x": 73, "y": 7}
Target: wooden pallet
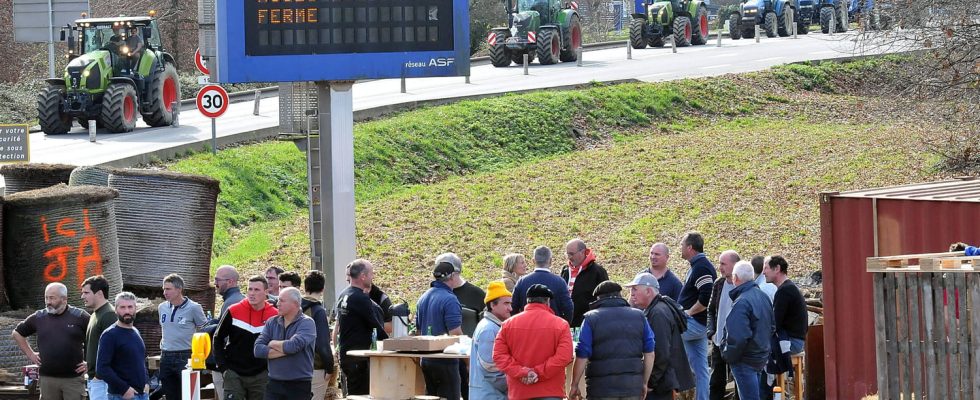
{"x": 949, "y": 261}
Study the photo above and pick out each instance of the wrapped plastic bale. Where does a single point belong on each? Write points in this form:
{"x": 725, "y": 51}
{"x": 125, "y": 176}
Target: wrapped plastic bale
{"x": 90, "y": 175}
{"x": 147, "y": 321}
{"x": 11, "y": 358}
{"x": 59, "y": 234}
{"x": 207, "y": 298}
{"x": 4, "y": 301}
{"x": 166, "y": 222}
{"x": 24, "y": 177}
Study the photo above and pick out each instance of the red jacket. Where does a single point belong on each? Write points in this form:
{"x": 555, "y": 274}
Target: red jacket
{"x": 534, "y": 339}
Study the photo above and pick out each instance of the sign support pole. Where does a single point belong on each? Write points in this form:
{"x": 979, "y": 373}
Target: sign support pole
{"x": 338, "y": 245}
{"x": 50, "y": 39}
{"x": 214, "y": 137}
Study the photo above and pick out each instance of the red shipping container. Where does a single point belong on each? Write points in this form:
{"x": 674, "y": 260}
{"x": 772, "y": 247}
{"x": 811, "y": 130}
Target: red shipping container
{"x": 921, "y": 218}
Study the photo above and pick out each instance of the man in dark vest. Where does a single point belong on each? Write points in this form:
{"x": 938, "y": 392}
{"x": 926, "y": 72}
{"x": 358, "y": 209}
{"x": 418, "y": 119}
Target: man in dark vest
{"x": 615, "y": 348}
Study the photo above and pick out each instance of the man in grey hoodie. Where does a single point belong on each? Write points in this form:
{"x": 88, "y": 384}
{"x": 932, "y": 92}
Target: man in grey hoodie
{"x": 288, "y": 341}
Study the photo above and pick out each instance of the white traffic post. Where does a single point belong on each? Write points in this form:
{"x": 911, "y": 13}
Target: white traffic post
{"x": 578, "y": 56}
{"x": 525, "y": 63}
{"x": 629, "y": 50}
{"x": 673, "y": 44}
{"x": 792, "y": 21}
{"x": 175, "y": 111}
{"x": 833, "y": 23}
{"x": 758, "y": 33}
{"x": 91, "y": 130}
{"x": 403, "y": 84}
{"x": 722, "y": 30}
{"x": 258, "y": 96}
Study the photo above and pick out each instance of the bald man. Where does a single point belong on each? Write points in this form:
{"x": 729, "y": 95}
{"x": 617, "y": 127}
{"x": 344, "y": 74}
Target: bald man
{"x": 226, "y": 284}
{"x": 670, "y": 284}
{"x": 60, "y": 330}
{"x": 718, "y": 309}
{"x": 582, "y": 274}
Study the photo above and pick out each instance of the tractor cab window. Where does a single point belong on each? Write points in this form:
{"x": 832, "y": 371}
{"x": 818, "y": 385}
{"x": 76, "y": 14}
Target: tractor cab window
{"x": 154, "y": 39}
{"x": 541, "y": 6}
{"x": 99, "y": 37}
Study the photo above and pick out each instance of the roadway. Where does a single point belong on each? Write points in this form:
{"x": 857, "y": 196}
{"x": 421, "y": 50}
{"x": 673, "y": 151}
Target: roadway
{"x": 373, "y": 98}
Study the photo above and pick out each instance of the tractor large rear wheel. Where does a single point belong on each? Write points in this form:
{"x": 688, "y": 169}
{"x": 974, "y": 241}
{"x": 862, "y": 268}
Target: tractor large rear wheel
{"x": 700, "y": 28}
{"x": 53, "y": 121}
{"x": 734, "y": 26}
{"x": 769, "y": 24}
{"x": 785, "y": 24}
{"x": 636, "y": 33}
{"x": 682, "y": 31}
{"x": 573, "y": 40}
{"x": 499, "y": 55}
{"x": 164, "y": 94}
{"x": 826, "y": 15}
{"x": 549, "y": 47}
{"x": 119, "y": 108}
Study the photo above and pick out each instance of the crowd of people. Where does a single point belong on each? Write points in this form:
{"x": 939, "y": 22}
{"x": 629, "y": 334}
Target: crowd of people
{"x": 535, "y": 334}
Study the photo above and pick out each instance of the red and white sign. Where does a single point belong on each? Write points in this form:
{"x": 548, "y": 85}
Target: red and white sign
{"x": 492, "y": 38}
{"x": 201, "y": 64}
{"x": 574, "y": 5}
{"x": 212, "y": 101}
{"x": 532, "y": 36}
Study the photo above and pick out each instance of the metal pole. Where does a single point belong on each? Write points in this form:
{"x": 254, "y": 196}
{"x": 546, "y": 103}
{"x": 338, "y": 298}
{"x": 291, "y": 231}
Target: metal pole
{"x": 50, "y": 40}
{"x": 214, "y": 138}
{"x": 578, "y": 56}
{"x": 525, "y": 63}
{"x": 403, "y": 84}
{"x": 722, "y": 30}
{"x": 629, "y": 51}
{"x": 338, "y": 240}
{"x": 91, "y": 130}
{"x": 258, "y": 96}
{"x": 758, "y": 33}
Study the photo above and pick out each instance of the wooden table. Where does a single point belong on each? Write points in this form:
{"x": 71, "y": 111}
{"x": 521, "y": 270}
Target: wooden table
{"x": 398, "y": 376}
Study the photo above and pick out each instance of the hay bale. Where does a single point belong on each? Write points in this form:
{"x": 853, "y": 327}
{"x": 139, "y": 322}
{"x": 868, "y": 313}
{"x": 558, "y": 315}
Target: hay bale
{"x": 59, "y": 234}
{"x": 206, "y": 298}
{"x": 11, "y": 358}
{"x": 24, "y": 177}
{"x": 166, "y": 221}
{"x": 90, "y": 175}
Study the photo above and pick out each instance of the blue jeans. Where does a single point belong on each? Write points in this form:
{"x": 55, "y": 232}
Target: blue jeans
{"x": 171, "y": 365}
{"x": 696, "y": 346}
{"x": 98, "y": 389}
{"x": 746, "y": 381}
{"x": 144, "y": 396}
{"x": 795, "y": 345}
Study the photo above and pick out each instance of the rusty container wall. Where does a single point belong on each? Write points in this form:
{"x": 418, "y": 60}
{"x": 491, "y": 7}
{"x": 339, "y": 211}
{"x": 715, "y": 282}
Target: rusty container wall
{"x": 880, "y": 222}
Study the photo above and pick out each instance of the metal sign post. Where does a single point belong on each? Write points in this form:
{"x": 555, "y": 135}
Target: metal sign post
{"x": 35, "y": 21}
{"x": 338, "y": 245}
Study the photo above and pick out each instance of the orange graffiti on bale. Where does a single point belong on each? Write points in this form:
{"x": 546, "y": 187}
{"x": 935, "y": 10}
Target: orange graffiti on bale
{"x": 87, "y": 254}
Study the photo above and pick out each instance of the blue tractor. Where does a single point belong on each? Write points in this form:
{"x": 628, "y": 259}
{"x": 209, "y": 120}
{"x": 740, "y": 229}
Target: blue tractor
{"x": 832, "y": 10}
{"x": 772, "y": 16}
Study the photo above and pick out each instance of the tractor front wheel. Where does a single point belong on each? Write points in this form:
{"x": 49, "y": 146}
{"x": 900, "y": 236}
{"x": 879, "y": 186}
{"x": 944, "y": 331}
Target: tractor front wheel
{"x": 656, "y": 42}
{"x": 682, "y": 31}
{"x": 573, "y": 40}
{"x": 549, "y": 47}
{"x": 734, "y": 28}
{"x": 700, "y": 31}
{"x": 785, "y": 24}
{"x": 636, "y": 33}
{"x": 803, "y": 27}
{"x": 499, "y": 55}
{"x": 53, "y": 121}
{"x": 769, "y": 24}
{"x": 826, "y": 15}
{"x": 119, "y": 108}
{"x": 164, "y": 94}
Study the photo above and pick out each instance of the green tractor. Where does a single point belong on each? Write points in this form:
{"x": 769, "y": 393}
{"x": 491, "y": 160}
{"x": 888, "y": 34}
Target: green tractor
{"x": 117, "y": 69}
{"x": 548, "y": 29}
{"x": 653, "y": 21}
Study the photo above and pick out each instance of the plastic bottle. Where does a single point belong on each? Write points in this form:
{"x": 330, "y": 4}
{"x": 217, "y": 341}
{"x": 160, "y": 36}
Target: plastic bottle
{"x": 777, "y": 393}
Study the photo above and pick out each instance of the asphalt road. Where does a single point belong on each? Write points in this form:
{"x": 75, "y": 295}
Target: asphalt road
{"x": 608, "y": 65}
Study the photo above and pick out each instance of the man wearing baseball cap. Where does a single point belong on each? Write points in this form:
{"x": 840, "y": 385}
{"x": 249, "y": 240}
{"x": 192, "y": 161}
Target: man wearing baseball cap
{"x": 486, "y": 380}
{"x": 533, "y": 348}
{"x": 671, "y": 370}
{"x": 438, "y": 312}
{"x": 615, "y": 348}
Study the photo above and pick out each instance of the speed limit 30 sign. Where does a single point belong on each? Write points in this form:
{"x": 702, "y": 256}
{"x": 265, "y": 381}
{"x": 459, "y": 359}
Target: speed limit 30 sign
{"x": 212, "y": 101}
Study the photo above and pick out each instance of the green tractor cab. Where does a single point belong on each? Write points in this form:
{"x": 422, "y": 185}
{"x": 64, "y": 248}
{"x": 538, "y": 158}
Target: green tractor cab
{"x": 117, "y": 70}
{"x": 548, "y": 29}
{"x": 653, "y": 21}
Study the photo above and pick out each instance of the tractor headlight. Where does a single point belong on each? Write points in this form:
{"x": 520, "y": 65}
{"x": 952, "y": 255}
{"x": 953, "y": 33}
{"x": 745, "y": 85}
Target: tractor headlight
{"x": 86, "y": 73}
{"x": 124, "y": 50}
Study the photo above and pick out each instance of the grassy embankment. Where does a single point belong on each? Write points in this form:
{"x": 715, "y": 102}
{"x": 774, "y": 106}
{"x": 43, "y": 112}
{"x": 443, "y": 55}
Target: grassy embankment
{"x": 652, "y": 161}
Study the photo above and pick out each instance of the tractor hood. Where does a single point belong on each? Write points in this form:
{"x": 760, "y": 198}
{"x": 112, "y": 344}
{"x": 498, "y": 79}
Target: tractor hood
{"x": 86, "y": 71}
{"x": 753, "y": 6}
{"x": 659, "y": 12}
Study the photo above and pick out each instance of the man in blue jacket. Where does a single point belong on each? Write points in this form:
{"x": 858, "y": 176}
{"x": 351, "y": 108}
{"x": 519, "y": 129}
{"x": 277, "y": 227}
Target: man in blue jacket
{"x": 438, "y": 313}
{"x": 749, "y": 329}
{"x": 561, "y": 303}
{"x": 287, "y": 341}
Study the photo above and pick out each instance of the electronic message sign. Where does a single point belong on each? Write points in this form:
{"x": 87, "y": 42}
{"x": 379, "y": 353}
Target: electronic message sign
{"x": 317, "y": 40}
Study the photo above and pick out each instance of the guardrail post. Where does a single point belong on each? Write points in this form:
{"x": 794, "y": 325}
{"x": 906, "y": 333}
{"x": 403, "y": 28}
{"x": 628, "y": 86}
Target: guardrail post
{"x": 525, "y": 63}
{"x": 403, "y": 84}
{"x": 758, "y": 33}
{"x": 578, "y": 56}
{"x": 629, "y": 50}
{"x": 721, "y": 30}
{"x": 91, "y": 130}
{"x": 258, "y": 97}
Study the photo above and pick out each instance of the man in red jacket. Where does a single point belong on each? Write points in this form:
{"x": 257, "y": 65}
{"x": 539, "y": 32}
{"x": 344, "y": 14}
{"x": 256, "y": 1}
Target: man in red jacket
{"x": 533, "y": 348}
{"x": 245, "y": 376}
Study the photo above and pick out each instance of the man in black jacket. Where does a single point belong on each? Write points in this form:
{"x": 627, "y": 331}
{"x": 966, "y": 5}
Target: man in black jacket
{"x": 322, "y": 352}
{"x": 582, "y": 274}
{"x": 748, "y": 332}
{"x": 695, "y": 297}
{"x": 671, "y": 371}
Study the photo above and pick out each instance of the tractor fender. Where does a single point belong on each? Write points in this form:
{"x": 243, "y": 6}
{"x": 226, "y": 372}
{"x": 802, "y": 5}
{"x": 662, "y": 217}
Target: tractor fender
{"x": 565, "y": 17}
{"x": 166, "y": 57}
{"x": 122, "y": 79}
{"x": 55, "y": 81}
{"x": 637, "y": 15}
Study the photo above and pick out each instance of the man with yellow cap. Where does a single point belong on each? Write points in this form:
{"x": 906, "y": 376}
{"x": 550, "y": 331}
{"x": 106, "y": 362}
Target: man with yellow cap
{"x": 486, "y": 381}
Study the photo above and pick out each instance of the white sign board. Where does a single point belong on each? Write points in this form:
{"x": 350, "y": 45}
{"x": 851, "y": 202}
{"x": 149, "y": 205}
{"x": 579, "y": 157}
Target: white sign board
{"x": 32, "y": 18}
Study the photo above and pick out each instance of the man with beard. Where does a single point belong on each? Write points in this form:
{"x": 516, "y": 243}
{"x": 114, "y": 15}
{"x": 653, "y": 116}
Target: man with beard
{"x": 60, "y": 330}
{"x": 122, "y": 354}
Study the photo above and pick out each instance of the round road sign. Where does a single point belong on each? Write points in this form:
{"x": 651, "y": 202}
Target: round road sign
{"x": 212, "y": 101}
{"x": 199, "y": 61}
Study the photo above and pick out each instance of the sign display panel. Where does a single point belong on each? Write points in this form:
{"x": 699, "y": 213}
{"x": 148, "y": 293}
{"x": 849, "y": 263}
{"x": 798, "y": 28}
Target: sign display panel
{"x": 314, "y": 40}
{"x": 15, "y": 144}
